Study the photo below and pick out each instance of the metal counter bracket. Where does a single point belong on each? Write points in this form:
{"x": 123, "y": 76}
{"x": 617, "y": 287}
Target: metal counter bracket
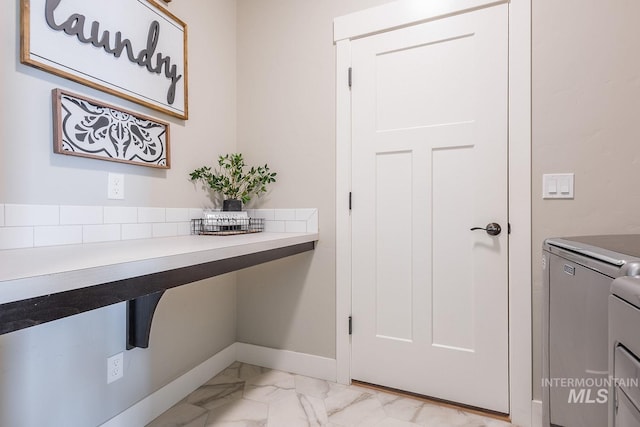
{"x": 139, "y": 316}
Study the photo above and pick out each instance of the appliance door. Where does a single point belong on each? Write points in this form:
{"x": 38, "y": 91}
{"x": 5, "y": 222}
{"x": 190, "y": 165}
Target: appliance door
{"x": 627, "y": 414}
{"x": 627, "y": 392}
{"x": 577, "y": 344}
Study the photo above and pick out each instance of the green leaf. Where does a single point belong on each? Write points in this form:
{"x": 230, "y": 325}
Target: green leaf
{"x": 232, "y": 180}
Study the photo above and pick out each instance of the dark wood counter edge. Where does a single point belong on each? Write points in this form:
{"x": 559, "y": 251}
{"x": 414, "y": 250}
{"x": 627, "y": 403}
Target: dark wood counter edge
{"x": 142, "y": 292}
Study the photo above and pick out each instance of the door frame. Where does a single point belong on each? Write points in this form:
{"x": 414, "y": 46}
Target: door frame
{"x": 404, "y": 13}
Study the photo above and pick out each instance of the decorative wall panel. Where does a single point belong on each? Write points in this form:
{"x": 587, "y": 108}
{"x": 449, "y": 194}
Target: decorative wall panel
{"x": 89, "y": 128}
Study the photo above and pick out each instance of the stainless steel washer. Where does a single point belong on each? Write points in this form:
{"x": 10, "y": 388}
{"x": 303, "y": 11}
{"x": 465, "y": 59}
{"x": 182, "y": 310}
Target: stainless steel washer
{"x": 624, "y": 352}
{"x": 577, "y": 275}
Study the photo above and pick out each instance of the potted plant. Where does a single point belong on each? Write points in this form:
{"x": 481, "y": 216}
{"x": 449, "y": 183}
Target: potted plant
{"x": 236, "y": 184}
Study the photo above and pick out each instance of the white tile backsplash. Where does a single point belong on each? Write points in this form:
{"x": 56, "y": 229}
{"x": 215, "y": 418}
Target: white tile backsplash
{"x": 284, "y": 214}
{"x": 100, "y": 233}
{"x": 184, "y": 228}
{"x": 29, "y": 215}
{"x": 304, "y": 214}
{"x": 137, "y": 231}
{"x": 165, "y": 229}
{"x": 312, "y": 222}
{"x": 47, "y": 225}
{"x": 196, "y": 213}
{"x": 16, "y": 237}
{"x": 57, "y": 235}
{"x": 120, "y": 215}
{"x": 177, "y": 215}
{"x": 295, "y": 226}
{"x": 81, "y": 215}
{"x": 274, "y": 226}
{"x": 152, "y": 215}
{"x": 267, "y": 214}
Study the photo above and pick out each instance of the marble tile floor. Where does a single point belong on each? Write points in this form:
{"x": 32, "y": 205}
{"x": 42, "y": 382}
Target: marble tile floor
{"x": 250, "y": 396}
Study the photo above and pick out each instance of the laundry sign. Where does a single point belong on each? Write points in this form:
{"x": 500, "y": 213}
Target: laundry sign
{"x": 134, "y": 49}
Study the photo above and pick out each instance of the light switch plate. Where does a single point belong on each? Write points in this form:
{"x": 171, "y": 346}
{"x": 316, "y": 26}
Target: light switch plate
{"x": 557, "y": 186}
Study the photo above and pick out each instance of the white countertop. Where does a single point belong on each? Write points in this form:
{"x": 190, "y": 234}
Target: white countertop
{"x": 33, "y": 272}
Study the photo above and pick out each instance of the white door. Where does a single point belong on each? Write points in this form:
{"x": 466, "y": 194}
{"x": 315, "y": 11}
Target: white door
{"x": 429, "y": 163}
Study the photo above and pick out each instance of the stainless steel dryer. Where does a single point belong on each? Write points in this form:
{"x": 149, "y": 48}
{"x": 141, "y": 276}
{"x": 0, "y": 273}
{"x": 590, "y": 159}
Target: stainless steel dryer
{"x": 624, "y": 352}
{"x": 577, "y": 275}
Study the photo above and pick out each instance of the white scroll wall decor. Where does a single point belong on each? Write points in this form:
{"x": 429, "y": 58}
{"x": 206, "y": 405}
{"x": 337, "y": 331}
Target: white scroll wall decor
{"x": 89, "y": 128}
{"x": 134, "y": 49}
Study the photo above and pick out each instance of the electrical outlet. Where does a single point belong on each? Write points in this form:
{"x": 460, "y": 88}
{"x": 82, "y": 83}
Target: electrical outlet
{"x": 115, "y": 186}
{"x": 115, "y": 367}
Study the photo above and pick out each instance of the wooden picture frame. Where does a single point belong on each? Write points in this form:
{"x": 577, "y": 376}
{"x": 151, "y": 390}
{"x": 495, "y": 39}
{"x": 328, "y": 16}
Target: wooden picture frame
{"x": 89, "y": 128}
{"x": 140, "y": 55}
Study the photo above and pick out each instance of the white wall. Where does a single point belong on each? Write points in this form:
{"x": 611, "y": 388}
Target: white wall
{"x": 586, "y": 109}
{"x": 286, "y": 117}
{"x": 32, "y": 173}
{"x": 55, "y": 374}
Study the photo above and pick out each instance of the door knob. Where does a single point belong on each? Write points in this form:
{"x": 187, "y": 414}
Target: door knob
{"x": 492, "y": 229}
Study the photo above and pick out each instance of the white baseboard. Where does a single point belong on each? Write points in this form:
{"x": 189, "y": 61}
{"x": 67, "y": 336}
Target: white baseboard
{"x": 289, "y": 361}
{"x": 155, "y": 404}
{"x": 536, "y": 413}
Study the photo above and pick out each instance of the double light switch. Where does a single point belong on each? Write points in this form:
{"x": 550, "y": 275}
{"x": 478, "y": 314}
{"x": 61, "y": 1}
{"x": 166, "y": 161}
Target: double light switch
{"x": 557, "y": 186}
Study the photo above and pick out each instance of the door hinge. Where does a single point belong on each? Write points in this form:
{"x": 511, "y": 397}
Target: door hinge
{"x": 349, "y": 200}
{"x": 350, "y": 77}
{"x": 350, "y": 325}
{"x": 508, "y": 228}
